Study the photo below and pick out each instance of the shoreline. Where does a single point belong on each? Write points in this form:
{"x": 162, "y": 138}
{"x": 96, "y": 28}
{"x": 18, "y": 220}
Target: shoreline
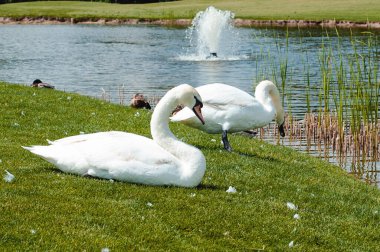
{"x": 187, "y": 22}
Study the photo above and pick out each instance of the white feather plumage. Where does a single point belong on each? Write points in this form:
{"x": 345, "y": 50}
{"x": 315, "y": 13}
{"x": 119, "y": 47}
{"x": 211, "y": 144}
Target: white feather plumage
{"x": 229, "y": 109}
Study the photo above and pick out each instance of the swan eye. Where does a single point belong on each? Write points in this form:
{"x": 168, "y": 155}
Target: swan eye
{"x": 198, "y": 102}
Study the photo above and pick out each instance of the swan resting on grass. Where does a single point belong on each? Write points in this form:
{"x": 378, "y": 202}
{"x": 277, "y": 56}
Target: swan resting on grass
{"x": 229, "y": 109}
{"x": 133, "y": 158}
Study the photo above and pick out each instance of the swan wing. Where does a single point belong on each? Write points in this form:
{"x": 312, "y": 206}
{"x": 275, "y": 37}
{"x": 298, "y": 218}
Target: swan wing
{"x": 216, "y": 97}
{"x": 183, "y": 115}
{"x": 83, "y": 137}
{"x": 112, "y": 155}
{"x": 225, "y": 108}
{"x": 219, "y": 95}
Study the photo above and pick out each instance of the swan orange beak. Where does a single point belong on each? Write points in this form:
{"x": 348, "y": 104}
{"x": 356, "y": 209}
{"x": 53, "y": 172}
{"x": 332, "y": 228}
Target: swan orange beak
{"x": 281, "y": 130}
{"x": 197, "y": 111}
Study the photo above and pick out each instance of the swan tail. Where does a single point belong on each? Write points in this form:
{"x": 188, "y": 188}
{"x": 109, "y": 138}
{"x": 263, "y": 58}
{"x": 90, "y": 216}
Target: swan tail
{"x": 42, "y": 151}
{"x": 182, "y": 115}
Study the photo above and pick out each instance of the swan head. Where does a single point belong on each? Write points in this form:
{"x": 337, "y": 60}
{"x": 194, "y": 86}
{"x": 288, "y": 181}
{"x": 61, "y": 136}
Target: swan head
{"x": 189, "y": 97}
{"x": 280, "y": 113}
{"x": 280, "y": 119}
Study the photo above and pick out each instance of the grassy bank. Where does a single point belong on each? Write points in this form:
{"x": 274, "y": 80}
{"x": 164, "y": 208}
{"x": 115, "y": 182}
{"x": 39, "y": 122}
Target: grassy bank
{"x": 44, "y": 209}
{"x": 352, "y": 10}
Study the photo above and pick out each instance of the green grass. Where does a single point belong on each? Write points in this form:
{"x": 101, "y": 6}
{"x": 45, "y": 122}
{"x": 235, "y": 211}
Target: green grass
{"x": 352, "y": 10}
{"x": 44, "y": 209}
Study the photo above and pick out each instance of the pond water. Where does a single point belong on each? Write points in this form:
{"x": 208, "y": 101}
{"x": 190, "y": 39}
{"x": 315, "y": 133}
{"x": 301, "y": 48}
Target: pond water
{"x": 96, "y": 59}
{"x": 85, "y": 59}
{"x": 150, "y": 59}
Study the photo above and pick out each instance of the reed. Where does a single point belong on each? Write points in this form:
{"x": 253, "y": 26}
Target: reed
{"x": 121, "y": 94}
{"x": 356, "y": 152}
{"x": 345, "y": 125}
{"x": 105, "y": 95}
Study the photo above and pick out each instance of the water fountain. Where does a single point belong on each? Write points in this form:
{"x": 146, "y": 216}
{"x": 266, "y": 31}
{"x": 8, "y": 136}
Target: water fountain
{"x": 212, "y": 35}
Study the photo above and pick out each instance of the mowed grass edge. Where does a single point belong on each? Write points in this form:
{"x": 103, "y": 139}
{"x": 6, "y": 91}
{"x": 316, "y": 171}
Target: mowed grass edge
{"x": 44, "y": 209}
{"x": 340, "y": 10}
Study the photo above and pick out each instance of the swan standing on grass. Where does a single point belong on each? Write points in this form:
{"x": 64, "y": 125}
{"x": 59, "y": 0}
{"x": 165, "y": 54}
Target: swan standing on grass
{"x": 229, "y": 109}
{"x": 132, "y": 158}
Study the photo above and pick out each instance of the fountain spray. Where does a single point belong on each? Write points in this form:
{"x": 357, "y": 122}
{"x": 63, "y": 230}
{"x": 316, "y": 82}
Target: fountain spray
{"x": 208, "y": 26}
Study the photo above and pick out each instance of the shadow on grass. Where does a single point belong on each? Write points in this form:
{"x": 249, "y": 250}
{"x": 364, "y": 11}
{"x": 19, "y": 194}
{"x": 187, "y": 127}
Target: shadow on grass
{"x": 53, "y": 169}
{"x": 209, "y": 187}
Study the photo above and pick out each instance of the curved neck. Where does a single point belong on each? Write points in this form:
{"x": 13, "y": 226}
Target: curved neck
{"x": 268, "y": 94}
{"x": 262, "y": 95}
{"x": 265, "y": 92}
{"x": 192, "y": 161}
{"x": 159, "y": 124}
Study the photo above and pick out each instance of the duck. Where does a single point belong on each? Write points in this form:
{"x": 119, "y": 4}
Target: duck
{"x": 138, "y": 101}
{"x": 127, "y": 157}
{"x": 39, "y": 84}
{"x": 228, "y": 109}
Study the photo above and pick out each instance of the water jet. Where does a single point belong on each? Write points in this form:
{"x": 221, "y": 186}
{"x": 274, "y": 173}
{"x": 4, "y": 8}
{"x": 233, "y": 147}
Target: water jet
{"x": 212, "y": 33}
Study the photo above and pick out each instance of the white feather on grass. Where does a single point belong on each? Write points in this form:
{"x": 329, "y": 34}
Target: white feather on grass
{"x": 291, "y": 244}
{"x": 291, "y": 206}
{"x": 231, "y": 189}
{"x": 9, "y": 177}
{"x": 149, "y": 204}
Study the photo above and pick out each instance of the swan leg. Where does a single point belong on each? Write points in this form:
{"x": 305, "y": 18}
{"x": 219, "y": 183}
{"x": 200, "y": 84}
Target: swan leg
{"x": 226, "y": 144}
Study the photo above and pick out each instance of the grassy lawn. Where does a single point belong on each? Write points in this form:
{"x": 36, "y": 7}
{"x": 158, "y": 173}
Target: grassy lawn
{"x": 352, "y": 10}
{"x": 44, "y": 209}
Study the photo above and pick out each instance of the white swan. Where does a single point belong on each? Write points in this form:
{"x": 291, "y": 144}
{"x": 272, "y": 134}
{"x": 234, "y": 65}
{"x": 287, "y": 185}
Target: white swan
{"x": 132, "y": 158}
{"x": 229, "y": 109}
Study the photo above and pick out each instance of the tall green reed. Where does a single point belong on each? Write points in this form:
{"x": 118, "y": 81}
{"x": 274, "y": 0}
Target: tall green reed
{"x": 347, "y": 90}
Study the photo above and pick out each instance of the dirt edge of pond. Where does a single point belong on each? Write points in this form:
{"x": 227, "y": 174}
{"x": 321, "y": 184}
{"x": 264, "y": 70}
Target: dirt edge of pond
{"x": 187, "y": 22}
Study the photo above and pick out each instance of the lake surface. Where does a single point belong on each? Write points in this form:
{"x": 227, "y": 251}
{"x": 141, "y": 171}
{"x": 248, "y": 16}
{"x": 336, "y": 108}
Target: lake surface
{"x": 85, "y": 59}
{"x": 93, "y": 59}
{"x": 150, "y": 59}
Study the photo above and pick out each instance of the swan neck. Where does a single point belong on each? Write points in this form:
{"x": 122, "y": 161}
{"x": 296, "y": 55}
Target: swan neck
{"x": 192, "y": 161}
{"x": 159, "y": 124}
